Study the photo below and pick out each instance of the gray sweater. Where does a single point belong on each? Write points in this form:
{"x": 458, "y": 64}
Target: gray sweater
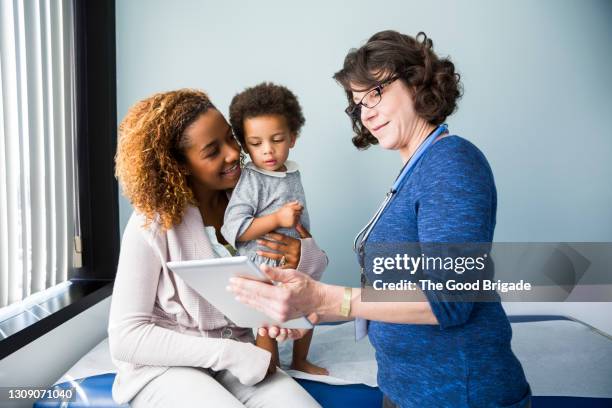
{"x": 260, "y": 192}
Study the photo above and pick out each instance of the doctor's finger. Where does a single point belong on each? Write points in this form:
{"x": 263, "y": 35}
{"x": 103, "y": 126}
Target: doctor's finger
{"x": 253, "y": 288}
{"x": 297, "y": 334}
{"x": 282, "y": 335}
{"x": 255, "y": 293}
{"x": 273, "y": 331}
{"x": 268, "y": 308}
{"x": 313, "y": 318}
{"x": 277, "y": 274}
{"x": 273, "y": 304}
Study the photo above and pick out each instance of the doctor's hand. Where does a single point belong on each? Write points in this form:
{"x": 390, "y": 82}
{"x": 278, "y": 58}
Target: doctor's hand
{"x": 295, "y": 294}
{"x": 282, "y": 334}
{"x": 284, "y": 246}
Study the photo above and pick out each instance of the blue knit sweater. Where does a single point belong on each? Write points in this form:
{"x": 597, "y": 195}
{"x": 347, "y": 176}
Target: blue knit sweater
{"x": 466, "y": 360}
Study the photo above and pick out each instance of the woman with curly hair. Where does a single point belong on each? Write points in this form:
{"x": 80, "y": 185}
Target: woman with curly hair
{"x": 431, "y": 351}
{"x": 177, "y": 162}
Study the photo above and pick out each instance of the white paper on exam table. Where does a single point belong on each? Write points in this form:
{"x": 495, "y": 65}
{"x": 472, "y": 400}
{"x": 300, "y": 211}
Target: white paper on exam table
{"x": 210, "y": 277}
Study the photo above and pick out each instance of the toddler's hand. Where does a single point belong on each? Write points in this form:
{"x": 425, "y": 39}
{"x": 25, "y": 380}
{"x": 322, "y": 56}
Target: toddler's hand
{"x": 289, "y": 214}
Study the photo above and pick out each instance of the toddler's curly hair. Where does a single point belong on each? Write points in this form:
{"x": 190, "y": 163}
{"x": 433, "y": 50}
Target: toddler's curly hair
{"x": 265, "y": 99}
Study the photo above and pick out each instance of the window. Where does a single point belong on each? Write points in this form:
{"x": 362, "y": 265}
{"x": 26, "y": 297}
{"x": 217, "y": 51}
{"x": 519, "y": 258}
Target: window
{"x": 37, "y": 207}
{"x": 58, "y": 244}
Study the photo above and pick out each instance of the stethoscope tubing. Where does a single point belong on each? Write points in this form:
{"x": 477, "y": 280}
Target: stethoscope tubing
{"x": 363, "y": 234}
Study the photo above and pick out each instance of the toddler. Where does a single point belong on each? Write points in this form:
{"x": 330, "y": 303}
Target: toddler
{"x": 269, "y": 196}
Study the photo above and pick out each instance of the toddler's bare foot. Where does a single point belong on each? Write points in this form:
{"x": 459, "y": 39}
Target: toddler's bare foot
{"x": 307, "y": 367}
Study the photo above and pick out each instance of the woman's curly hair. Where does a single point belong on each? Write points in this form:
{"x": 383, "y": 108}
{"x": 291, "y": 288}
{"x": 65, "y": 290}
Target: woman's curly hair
{"x": 150, "y": 160}
{"x": 435, "y": 84}
{"x": 265, "y": 99}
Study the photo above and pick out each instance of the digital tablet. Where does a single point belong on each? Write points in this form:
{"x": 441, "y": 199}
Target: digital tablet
{"x": 210, "y": 277}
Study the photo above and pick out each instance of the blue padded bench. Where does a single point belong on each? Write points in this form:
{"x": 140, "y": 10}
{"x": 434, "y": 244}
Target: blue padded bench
{"x": 97, "y": 390}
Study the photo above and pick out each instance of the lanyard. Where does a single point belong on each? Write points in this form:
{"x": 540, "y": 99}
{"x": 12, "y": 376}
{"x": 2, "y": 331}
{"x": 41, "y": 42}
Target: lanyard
{"x": 362, "y": 236}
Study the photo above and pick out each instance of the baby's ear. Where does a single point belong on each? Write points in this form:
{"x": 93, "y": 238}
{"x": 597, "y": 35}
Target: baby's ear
{"x": 292, "y": 138}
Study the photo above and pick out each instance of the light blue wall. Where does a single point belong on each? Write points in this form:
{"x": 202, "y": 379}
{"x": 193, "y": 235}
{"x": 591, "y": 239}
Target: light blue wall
{"x": 537, "y": 98}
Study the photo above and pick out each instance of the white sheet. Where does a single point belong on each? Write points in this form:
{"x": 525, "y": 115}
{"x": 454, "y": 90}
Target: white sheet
{"x": 334, "y": 348}
{"x": 560, "y": 358}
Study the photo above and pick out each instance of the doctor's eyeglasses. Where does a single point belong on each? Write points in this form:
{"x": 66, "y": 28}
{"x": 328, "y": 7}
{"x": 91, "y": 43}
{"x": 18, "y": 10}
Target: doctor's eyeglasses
{"x": 369, "y": 100}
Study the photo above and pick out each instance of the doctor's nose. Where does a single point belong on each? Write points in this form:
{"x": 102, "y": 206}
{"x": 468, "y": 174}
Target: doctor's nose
{"x": 367, "y": 113}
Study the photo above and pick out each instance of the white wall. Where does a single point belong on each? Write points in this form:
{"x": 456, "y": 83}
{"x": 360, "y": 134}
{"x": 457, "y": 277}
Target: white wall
{"x": 537, "y": 97}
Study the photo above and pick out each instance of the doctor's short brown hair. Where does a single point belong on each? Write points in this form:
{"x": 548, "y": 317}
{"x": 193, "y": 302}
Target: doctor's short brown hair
{"x": 435, "y": 84}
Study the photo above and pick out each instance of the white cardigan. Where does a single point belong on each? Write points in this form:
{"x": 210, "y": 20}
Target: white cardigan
{"x": 157, "y": 321}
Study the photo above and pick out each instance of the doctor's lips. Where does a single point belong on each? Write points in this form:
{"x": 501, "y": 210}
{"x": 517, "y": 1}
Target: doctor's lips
{"x": 231, "y": 171}
{"x": 375, "y": 128}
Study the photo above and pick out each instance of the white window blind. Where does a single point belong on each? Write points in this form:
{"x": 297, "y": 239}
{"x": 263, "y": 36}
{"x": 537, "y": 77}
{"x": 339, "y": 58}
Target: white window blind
{"x": 38, "y": 224}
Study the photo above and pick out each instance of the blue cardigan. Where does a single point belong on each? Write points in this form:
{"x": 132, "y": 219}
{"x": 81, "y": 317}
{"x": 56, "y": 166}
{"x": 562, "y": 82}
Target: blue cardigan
{"x": 466, "y": 361}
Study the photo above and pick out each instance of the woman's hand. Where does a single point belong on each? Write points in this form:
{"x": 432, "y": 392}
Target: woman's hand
{"x": 247, "y": 362}
{"x": 288, "y": 247}
{"x": 295, "y": 294}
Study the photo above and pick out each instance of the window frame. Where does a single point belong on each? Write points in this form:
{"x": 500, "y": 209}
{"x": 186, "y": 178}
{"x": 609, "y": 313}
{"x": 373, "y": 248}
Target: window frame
{"x": 96, "y": 135}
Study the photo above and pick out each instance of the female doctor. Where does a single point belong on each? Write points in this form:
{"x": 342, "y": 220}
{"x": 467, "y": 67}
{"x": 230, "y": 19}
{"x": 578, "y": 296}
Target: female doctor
{"x": 431, "y": 353}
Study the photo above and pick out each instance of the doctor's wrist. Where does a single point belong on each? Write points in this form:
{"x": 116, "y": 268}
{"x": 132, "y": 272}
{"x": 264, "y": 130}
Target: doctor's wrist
{"x": 330, "y": 300}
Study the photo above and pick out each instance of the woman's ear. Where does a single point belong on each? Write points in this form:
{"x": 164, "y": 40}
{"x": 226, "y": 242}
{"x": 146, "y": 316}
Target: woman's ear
{"x": 185, "y": 170}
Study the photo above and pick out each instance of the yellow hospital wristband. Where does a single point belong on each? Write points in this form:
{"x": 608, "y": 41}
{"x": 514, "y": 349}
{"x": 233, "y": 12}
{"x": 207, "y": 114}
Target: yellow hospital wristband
{"x": 345, "y": 308}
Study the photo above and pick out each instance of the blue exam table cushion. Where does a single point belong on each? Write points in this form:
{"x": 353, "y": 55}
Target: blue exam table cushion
{"x": 95, "y": 390}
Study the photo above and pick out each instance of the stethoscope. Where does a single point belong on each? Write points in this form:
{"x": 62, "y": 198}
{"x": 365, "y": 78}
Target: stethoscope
{"x": 362, "y": 236}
